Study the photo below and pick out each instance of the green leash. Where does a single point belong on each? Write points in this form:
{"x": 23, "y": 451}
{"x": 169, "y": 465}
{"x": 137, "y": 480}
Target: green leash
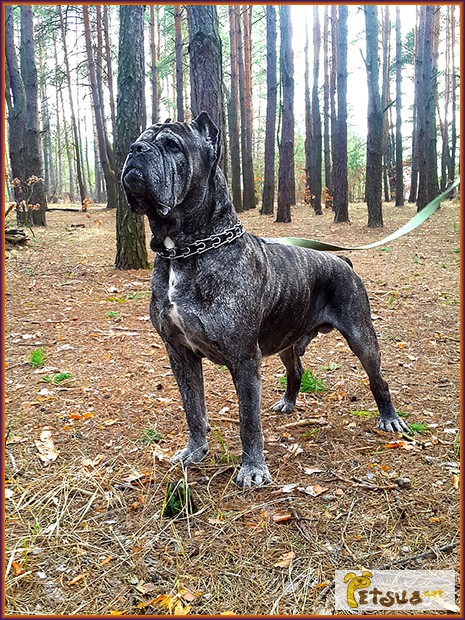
{"x": 416, "y": 220}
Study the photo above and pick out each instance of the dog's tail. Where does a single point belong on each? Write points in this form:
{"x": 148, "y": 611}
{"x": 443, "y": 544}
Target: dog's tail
{"x": 347, "y": 260}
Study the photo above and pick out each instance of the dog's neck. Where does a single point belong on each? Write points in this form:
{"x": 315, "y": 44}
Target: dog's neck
{"x": 213, "y": 214}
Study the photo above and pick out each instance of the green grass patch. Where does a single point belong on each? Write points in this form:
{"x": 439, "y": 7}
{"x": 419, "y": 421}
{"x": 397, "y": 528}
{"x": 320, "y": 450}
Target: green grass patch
{"x": 309, "y": 383}
{"x": 112, "y": 315}
{"x": 37, "y": 358}
{"x": 149, "y": 436}
{"x": 362, "y": 414}
{"x": 419, "y": 428}
{"x": 332, "y": 366}
{"x": 57, "y": 379}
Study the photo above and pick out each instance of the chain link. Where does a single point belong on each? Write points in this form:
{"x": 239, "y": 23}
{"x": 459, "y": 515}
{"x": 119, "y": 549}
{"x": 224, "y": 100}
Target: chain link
{"x": 203, "y": 245}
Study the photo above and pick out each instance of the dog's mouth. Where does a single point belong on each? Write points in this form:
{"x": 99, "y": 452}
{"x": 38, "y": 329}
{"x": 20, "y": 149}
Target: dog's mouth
{"x": 141, "y": 196}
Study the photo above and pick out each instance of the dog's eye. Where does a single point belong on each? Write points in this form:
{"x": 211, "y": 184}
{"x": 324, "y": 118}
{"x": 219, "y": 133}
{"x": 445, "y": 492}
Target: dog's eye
{"x": 172, "y": 145}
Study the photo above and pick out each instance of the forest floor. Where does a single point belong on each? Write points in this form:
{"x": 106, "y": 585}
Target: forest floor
{"x": 85, "y": 533}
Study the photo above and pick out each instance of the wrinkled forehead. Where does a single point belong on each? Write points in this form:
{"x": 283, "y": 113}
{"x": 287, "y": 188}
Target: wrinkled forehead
{"x": 182, "y": 130}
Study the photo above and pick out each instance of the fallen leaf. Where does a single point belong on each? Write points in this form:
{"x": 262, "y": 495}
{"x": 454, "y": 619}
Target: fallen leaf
{"x": 17, "y": 568}
{"x": 76, "y": 579}
{"x": 93, "y": 462}
{"x": 46, "y": 447}
{"x": 309, "y": 471}
{"x": 286, "y": 560}
{"x": 280, "y": 517}
{"x": 313, "y": 490}
{"x": 106, "y": 560}
{"x": 188, "y": 596}
{"x": 9, "y": 493}
{"x": 75, "y": 416}
{"x": 405, "y": 445}
{"x": 88, "y": 415}
{"x": 216, "y": 521}
{"x": 456, "y": 481}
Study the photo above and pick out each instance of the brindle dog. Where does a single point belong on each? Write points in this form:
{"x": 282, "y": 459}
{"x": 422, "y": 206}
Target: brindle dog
{"x": 222, "y": 293}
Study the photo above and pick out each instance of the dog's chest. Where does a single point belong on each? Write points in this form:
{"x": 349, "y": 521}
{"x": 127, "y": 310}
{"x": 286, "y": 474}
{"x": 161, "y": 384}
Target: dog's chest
{"x": 177, "y": 307}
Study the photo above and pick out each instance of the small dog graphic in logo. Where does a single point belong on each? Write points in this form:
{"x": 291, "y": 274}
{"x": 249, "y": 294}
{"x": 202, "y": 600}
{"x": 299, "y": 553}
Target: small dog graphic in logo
{"x": 355, "y": 583}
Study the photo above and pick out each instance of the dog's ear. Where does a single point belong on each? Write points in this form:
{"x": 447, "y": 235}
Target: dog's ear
{"x": 210, "y": 131}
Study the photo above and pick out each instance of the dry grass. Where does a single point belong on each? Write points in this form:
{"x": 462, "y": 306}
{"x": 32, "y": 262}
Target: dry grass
{"x": 95, "y": 513}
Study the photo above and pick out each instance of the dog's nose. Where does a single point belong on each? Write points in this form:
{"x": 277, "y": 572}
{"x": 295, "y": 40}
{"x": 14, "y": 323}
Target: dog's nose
{"x": 139, "y": 147}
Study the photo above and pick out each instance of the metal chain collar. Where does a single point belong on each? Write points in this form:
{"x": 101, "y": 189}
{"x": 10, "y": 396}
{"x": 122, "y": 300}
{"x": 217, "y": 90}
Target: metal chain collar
{"x": 203, "y": 245}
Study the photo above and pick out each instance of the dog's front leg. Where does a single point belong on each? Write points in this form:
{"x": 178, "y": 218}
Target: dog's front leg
{"x": 187, "y": 370}
{"x": 247, "y": 380}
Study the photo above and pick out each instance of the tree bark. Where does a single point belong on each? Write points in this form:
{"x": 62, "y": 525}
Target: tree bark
{"x": 178, "y": 54}
{"x": 374, "y": 166}
{"x": 328, "y": 192}
{"x": 206, "y": 65}
{"x": 271, "y": 100}
{"x": 249, "y": 177}
{"x": 332, "y": 91}
{"x": 108, "y": 173}
{"x": 419, "y": 27}
{"x": 77, "y": 144}
{"x": 131, "y": 250}
{"x": 37, "y": 200}
{"x": 314, "y": 139}
{"x": 153, "y": 65}
{"x": 109, "y": 65}
{"x": 16, "y": 101}
{"x": 385, "y": 103}
{"x": 399, "y": 149}
{"x": 428, "y": 186}
{"x": 233, "y": 115}
{"x": 340, "y": 181}
{"x": 286, "y": 177}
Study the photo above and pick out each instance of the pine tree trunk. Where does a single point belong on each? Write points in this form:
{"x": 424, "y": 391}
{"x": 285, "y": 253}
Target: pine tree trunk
{"x": 399, "y": 149}
{"x": 419, "y": 27}
{"x": 249, "y": 177}
{"x": 206, "y": 66}
{"x": 178, "y": 53}
{"x": 32, "y": 158}
{"x": 248, "y": 195}
{"x": 385, "y": 90}
{"x": 453, "y": 128}
{"x": 77, "y": 144}
{"x": 340, "y": 181}
{"x": 332, "y": 91}
{"x": 16, "y": 100}
{"x": 131, "y": 251}
{"x": 316, "y": 151}
{"x": 428, "y": 187}
{"x": 374, "y": 166}
{"x": 286, "y": 176}
{"x": 308, "y": 144}
{"x": 109, "y": 64}
{"x": 108, "y": 173}
{"x": 271, "y": 101}
{"x": 153, "y": 65}
{"x": 233, "y": 115}
{"x": 328, "y": 192}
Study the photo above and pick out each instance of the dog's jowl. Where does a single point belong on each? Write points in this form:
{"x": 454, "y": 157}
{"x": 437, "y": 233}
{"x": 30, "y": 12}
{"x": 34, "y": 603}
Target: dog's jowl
{"x": 222, "y": 293}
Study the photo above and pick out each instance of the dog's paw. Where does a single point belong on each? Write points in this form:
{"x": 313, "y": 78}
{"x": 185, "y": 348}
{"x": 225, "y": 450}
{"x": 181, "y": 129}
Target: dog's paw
{"x": 190, "y": 454}
{"x": 253, "y": 475}
{"x": 393, "y": 424}
{"x": 283, "y": 406}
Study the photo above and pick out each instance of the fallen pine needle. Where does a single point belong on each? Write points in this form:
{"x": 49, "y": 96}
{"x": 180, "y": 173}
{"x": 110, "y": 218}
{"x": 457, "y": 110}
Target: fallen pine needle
{"x": 307, "y": 422}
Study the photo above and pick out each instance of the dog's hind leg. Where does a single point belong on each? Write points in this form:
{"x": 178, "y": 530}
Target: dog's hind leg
{"x": 291, "y": 360}
{"x": 364, "y": 343}
{"x": 246, "y": 376}
{"x": 187, "y": 370}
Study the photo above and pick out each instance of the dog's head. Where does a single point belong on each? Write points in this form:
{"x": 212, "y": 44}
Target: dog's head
{"x": 169, "y": 164}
